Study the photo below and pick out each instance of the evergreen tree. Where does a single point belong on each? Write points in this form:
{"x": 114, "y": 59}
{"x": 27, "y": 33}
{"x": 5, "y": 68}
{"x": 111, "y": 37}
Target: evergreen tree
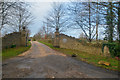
{"x": 110, "y": 17}
{"x": 119, "y": 21}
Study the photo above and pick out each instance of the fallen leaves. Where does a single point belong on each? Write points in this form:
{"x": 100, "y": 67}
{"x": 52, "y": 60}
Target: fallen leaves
{"x": 104, "y": 63}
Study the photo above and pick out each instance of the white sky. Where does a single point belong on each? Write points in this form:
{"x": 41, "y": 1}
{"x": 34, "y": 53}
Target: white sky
{"x": 39, "y": 11}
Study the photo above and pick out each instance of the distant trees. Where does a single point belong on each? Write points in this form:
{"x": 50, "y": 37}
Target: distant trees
{"x": 39, "y": 35}
{"x": 45, "y": 30}
{"x": 82, "y": 36}
{"x": 44, "y": 33}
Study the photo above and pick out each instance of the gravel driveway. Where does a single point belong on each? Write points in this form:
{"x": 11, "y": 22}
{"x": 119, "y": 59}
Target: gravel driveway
{"x": 43, "y": 62}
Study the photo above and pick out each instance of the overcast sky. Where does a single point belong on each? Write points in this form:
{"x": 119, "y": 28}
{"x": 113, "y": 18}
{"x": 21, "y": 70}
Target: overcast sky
{"x": 39, "y": 11}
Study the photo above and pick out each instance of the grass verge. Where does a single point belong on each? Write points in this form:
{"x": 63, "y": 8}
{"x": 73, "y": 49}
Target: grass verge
{"x": 89, "y": 58}
{"x": 12, "y": 52}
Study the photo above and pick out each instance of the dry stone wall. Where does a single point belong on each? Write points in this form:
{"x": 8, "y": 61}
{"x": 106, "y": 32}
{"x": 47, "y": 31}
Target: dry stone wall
{"x": 72, "y": 43}
{"x": 13, "y": 39}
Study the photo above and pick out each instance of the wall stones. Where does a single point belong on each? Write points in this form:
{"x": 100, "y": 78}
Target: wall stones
{"x": 16, "y": 38}
{"x": 72, "y": 43}
{"x": 56, "y": 40}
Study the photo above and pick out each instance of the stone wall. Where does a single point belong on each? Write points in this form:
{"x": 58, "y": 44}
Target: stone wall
{"x": 16, "y": 38}
{"x": 72, "y": 43}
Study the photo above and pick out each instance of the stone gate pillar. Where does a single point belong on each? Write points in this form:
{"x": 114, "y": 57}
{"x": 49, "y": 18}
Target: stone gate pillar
{"x": 106, "y": 51}
{"x": 56, "y": 39}
{"x": 23, "y": 37}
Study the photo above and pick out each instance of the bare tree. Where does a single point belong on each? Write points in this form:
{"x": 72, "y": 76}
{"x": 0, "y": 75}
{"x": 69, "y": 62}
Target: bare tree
{"x": 21, "y": 17}
{"x": 87, "y": 16}
{"x": 5, "y": 8}
{"x": 14, "y": 16}
{"x": 83, "y": 18}
{"x": 100, "y": 13}
{"x": 57, "y": 17}
{"x": 39, "y": 35}
{"x": 97, "y": 19}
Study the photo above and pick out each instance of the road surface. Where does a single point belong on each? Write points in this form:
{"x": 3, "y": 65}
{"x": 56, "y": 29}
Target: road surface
{"x": 43, "y": 62}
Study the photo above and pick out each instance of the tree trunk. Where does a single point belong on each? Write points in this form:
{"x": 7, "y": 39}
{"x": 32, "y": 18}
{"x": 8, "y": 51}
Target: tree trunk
{"x": 2, "y": 15}
{"x": 111, "y": 23}
{"x": 89, "y": 24}
{"x": 97, "y": 24}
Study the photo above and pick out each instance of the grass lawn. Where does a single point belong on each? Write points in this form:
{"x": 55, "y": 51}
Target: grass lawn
{"x": 12, "y": 52}
{"x": 89, "y": 58}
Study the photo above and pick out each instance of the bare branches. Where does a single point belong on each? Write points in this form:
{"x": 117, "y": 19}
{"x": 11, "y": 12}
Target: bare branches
{"x": 14, "y": 15}
{"x": 83, "y": 14}
{"x": 4, "y": 12}
{"x": 57, "y": 17}
{"x": 22, "y": 17}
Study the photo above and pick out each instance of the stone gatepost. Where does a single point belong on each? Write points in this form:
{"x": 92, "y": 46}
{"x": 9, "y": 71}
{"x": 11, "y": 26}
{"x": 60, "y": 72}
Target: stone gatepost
{"x": 23, "y": 37}
{"x": 56, "y": 39}
{"x": 106, "y": 51}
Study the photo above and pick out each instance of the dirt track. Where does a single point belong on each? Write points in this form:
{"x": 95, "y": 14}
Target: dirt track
{"x": 43, "y": 62}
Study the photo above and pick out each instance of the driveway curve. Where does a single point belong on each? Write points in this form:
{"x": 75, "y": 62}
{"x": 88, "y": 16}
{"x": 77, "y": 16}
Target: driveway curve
{"x": 43, "y": 62}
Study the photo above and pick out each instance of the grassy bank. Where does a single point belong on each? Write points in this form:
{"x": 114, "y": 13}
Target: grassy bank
{"x": 12, "y": 52}
{"x": 89, "y": 58}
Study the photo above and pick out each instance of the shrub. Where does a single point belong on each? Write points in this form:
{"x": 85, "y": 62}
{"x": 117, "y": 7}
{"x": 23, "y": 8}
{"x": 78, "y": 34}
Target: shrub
{"x": 12, "y": 46}
{"x": 117, "y": 50}
{"x": 29, "y": 39}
